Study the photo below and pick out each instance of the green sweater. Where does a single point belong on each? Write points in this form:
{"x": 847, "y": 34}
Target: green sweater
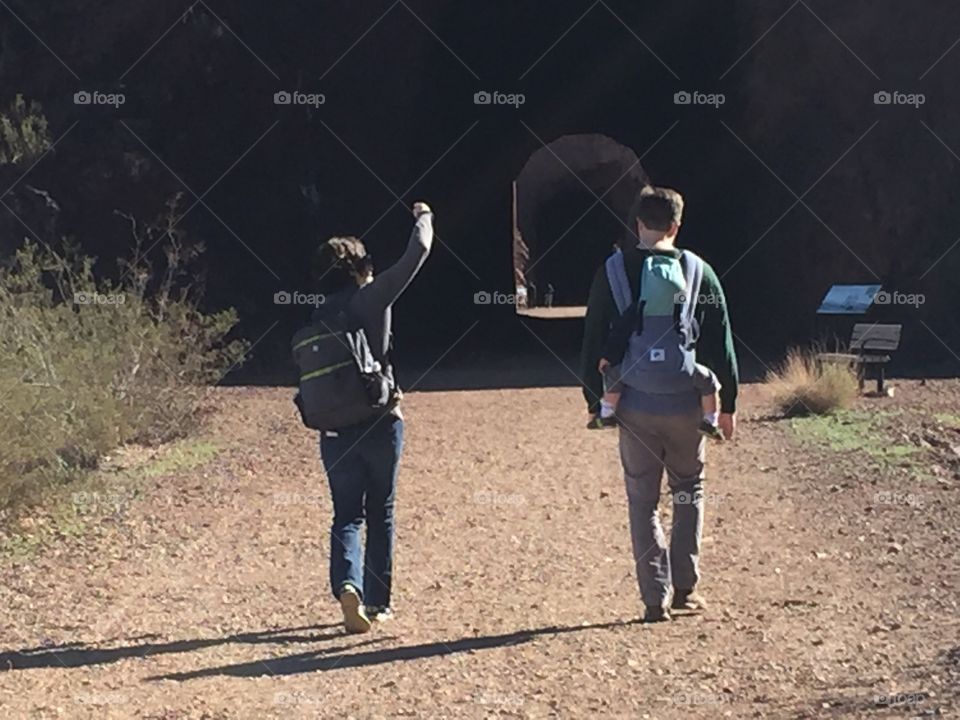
{"x": 714, "y": 348}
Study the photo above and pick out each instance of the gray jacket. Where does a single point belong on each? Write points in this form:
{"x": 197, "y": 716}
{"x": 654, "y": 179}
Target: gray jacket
{"x": 372, "y": 304}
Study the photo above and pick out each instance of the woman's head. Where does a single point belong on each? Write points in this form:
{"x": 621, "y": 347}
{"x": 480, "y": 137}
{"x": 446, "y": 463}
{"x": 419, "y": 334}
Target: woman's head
{"x": 342, "y": 263}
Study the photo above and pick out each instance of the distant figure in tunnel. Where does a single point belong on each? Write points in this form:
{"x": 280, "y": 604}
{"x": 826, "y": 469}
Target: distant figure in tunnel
{"x": 354, "y": 400}
{"x": 659, "y": 411}
{"x": 548, "y": 296}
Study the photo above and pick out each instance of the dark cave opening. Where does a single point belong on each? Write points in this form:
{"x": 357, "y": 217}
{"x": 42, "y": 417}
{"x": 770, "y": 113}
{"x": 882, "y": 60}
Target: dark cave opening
{"x": 574, "y": 235}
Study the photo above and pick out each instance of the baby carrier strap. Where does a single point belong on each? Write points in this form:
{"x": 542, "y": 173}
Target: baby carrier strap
{"x": 616, "y": 268}
{"x": 692, "y": 266}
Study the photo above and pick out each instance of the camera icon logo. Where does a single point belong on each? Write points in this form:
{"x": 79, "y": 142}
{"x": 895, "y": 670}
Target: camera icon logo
{"x": 282, "y": 97}
{"x": 882, "y": 97}
{"x": 881, "y": 298}
{"x": 683, "y": 498}
{"x": 482, "y": 298}
{"x": 281, "y": 298}
{"x": 680, "y": 298}
{"x": 482, "y": 98}
{"x": 82, "y": 97}
{"x": 682, "y": 98}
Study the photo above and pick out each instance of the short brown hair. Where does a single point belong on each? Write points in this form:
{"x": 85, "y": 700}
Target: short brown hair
{"x": 342, "y": 263}
{"x": 660, "y": 207}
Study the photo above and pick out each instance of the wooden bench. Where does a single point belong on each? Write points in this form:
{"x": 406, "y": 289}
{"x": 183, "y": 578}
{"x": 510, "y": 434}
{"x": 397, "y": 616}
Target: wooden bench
{"x": 870, "y": 347}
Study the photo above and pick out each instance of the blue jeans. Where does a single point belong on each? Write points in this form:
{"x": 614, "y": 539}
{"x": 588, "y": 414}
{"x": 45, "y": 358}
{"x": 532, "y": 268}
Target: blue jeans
{"x": 361, "y": 463}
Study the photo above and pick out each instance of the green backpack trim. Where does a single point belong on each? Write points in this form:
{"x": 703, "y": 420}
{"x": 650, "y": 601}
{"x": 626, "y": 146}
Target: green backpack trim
{"x": 325, "y": 371}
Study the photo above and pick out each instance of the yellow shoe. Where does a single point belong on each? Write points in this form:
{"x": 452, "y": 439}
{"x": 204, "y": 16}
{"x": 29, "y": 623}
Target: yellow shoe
{"x": 354, "y": 618}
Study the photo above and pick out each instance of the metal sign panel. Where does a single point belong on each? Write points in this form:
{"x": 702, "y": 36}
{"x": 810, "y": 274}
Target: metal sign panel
{"x": 848, "y": 299}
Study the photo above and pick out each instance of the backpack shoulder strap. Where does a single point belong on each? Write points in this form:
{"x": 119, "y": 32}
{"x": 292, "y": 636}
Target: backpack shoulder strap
{"x": 692, "y": 266}
{"x": 616, "y": 268}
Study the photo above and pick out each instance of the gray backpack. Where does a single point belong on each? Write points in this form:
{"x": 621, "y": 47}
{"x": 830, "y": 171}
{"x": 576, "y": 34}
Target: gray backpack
{"x": 661, "y": 353}
{"x": 341, "y": 382}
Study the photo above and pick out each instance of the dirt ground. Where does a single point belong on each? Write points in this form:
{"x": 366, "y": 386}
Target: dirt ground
{"x": 830, "y": 561}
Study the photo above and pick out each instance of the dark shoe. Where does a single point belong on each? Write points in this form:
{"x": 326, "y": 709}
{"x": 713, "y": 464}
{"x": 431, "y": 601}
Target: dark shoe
{"x": 688, "y": 600}
{"x": 600, "y": 423}
{"x": 710, "y": 430}
{"x": 656, "y": 613}
{"x": 378, "y": 613}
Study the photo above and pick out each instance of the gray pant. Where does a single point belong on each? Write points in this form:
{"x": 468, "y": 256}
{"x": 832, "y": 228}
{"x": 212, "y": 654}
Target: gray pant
{"x": 648, "y": 444}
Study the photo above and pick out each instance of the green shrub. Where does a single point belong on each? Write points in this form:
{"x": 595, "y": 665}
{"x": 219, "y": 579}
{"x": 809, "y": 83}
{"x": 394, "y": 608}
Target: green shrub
{"x": 23, "y": 132}
{"x": 88, "y": 364}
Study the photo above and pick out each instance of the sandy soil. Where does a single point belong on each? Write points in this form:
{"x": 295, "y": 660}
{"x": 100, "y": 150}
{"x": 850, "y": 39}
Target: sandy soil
{"x": 561, "y": 311}
{"x": 832, "y": 578}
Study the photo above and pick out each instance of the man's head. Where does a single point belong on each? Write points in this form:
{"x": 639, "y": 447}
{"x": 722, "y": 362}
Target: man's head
{"x": 659, "y": 214}
{"x": 342, "y": 263}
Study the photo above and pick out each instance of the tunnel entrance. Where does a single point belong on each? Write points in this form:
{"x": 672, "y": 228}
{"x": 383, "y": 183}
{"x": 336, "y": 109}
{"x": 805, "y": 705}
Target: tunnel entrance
{"x": 572, "y": 203}
{"x": 576, "y": 234}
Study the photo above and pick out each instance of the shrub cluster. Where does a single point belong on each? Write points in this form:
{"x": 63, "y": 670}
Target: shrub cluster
{"x": 88, "y": 364}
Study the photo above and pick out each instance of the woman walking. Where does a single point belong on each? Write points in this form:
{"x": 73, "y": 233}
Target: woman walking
{"x": 361, "y": 459}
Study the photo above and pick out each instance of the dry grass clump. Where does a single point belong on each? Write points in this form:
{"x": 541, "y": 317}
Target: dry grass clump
{"x": 803, "y": 385}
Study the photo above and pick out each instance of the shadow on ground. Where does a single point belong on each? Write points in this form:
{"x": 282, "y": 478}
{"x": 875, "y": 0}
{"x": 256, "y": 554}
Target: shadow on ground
{"x": 321, "y": 662}
{"x": 72, "y": 655}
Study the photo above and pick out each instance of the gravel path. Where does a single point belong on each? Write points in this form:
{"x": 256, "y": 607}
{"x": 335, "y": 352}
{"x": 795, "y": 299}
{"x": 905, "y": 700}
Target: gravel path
{"x": 515, "y": 596}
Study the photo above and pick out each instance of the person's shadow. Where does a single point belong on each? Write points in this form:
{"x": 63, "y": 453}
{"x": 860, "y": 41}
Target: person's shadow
{"x": 71, "y": 655}
{"x": 324, "y": 661}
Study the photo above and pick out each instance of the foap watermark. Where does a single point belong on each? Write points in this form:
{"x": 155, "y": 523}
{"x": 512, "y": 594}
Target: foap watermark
{"x": 899, "y": 298}
{"x": 496, "y": 697}
{"x": 97, "y": 298}
{"x": 95, "y": 97}
{"x": 89, "y": 501}
{"x": 714, "y": 299}
{"x": 695, "y": 97}
{"x": 492, "y": 497}
{"x": 514, "y": 100}
{"x": 483, "y": 297}
{"x": 897, "y": 699}
{"x": 895, "y": 97}
{"x": 688, "y": 498}
{"x": 103, "y": 697}
{"x": 698, "y": 698}
{"x": 293, "y": 498}
{"x": 298, "y": 697}
{"x": 283, "y": 97}
{"x": 296, "y": 297}
{"x": 890, "y": 497}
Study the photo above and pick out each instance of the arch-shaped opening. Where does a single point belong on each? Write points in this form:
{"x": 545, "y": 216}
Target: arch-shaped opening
{"x": 573, "y": 200}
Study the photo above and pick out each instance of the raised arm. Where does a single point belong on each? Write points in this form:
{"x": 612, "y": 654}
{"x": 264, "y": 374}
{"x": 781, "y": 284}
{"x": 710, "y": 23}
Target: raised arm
{"x": 390, "y": 283}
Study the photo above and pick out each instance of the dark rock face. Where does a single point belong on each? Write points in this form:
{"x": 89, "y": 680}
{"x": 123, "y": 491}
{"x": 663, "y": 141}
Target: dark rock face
{"x": 399, "y": 122}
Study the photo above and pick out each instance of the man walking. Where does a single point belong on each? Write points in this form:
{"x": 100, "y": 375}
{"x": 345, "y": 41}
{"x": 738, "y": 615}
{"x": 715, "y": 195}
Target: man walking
{"x": 659, "y": 423}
